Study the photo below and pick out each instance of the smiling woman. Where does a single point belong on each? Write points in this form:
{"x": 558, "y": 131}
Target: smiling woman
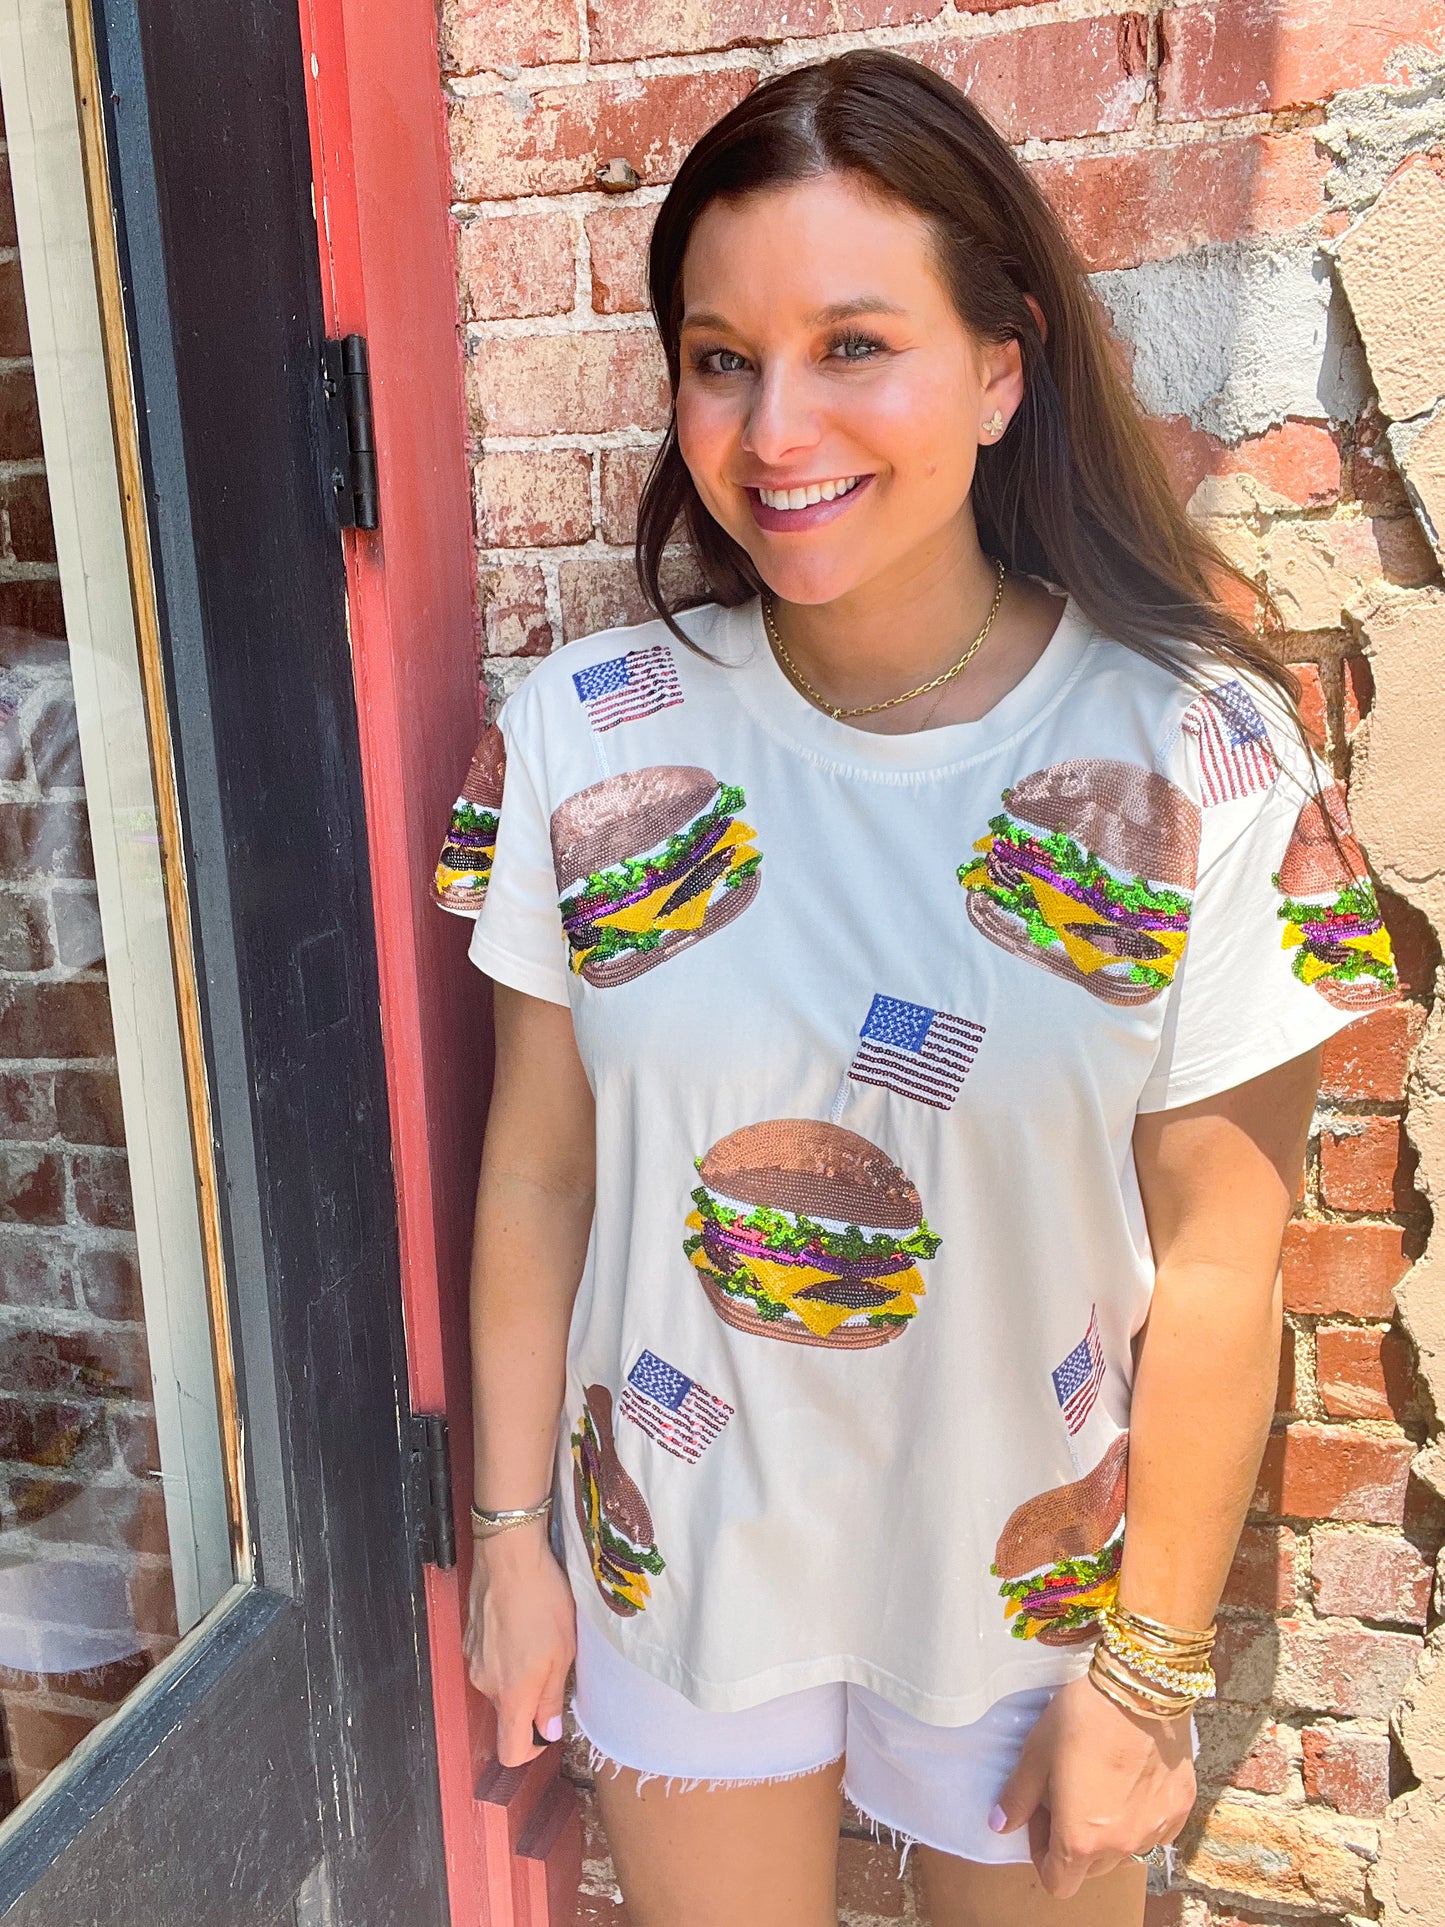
{"x": 883, "y": 1191}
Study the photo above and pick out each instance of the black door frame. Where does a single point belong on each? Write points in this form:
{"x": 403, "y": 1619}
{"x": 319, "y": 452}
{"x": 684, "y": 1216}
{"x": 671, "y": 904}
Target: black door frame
{"x": 297, "y": 1732}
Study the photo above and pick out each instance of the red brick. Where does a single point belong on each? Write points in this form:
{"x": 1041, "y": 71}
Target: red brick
{"x": 507, "y": 33}
{"x": 19, "y": 417}
{"x": 1284, "y": 1391}
{"x": 1406, "y": 557}
{"x": 603, "y": 593}
{"x": 55, "y": 747}
{"x": 1331, "y": 1668}
{"x": 1258, "y": 56}
{"x": 1262, "y": 1577}
{"x": 551, "y": 140}
{"x": 27, "y": 1105}
{"x": 102, "y": 1190}
{"x": 578, "y": 384}
{"x": 617, "y": 239}
{"x": 624, "y": 470}
{"x": 1347, "y": 1770}
{"x": 523, "y": 264}
{"x": 514, "y": 610}
{"x": 541, "y": 498}
{"x": 1314, "y": 707}
{"x": 1334, "y": 1472}
{"x": 1371, "y": 1169}
{"x": 153, "y": 1596}
{"x": 32, "y": 1185}
{"x": 1153, "y": 202}
{"x": 1350, "y": 1268}
{"x": 34, "y": 605}
{"x": 14, "y": 333}
{"x": 638, "y": 29}
{"x": 55, "y": 1020}
{"x": 1359, "y": 681}
{"x": 1368, "y": 1575}
{"x": 27, "y": 510}
{"x": 1069, "y": 78}
{"x": 1298, "y": 460}
{"x": 139, "y": 1444}
{"x": 110, "y": 1283}
{"x": 1364, "y": 1373}
{"x": 1236, "y": 1750}
{"x": 25, "y": 934}
{"x": 1369, "y": 1059}
{"x": 44, "y": 839}
{"x": 868, "y": 1882}
{"x": 38, "y": 1738}
{"x": 1374, "y": 479}
{"x": 87, "y": 1107}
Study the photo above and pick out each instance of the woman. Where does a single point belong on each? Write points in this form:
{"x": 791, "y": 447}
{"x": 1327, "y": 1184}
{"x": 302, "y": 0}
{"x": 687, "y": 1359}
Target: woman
{"x": 911, "y": 971}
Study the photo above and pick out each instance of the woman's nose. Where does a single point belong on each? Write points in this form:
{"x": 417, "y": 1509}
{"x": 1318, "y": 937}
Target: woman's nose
{"x": 782, "y": 421}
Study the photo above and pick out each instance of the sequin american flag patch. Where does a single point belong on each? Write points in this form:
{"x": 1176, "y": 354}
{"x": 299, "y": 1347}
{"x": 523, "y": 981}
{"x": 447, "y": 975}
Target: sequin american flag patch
{"x": 1235, "y": 754}
{"x": 1078, "y": 1379}
{"x": 625, "y": 688}
{"x": 676, "y": 1412}
{"x": 916, "y": 1051}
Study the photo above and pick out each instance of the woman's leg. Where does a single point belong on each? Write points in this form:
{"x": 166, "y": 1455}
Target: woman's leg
{"x": 764, "y": 1854}
{"x": 963, "y": 1893}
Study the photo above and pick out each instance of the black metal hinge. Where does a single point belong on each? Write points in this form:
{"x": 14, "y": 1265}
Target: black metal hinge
{"x": 430, "y": 1453}
{"x": 346, "y": 385}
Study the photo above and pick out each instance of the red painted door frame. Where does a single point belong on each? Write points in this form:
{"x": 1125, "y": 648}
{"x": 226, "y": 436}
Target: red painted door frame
{"x": 382, "y": 177}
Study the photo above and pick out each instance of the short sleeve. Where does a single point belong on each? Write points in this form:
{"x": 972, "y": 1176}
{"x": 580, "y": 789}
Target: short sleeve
{"x": 1286, "y": 944}
{"x": 497, "y": 867}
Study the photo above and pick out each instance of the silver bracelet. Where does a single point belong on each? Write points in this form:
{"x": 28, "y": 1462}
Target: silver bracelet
{"x": 486, "y": 1525}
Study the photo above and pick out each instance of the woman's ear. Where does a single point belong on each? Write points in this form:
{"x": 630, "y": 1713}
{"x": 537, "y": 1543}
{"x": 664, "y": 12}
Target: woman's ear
{"x": 1038, "y": 314}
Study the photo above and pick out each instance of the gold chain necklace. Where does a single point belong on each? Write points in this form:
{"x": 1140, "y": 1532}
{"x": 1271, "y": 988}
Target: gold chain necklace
{"x": 840, "y": 714}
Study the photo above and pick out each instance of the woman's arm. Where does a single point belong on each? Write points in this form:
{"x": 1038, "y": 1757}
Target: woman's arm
{"x": 1218, "y": 1179}
{"x": 534, "y": 1212}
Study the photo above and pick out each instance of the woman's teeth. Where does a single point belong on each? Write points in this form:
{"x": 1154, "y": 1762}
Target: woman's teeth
{"x": 802, "y": 498}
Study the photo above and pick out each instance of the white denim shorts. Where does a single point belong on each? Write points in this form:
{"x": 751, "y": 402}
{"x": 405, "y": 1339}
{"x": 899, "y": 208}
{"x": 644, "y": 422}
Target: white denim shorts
{"x": 930, "y": 1785}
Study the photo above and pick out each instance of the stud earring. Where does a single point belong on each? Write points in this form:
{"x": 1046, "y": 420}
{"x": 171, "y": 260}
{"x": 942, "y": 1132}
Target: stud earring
{"x": 994, "y": 425}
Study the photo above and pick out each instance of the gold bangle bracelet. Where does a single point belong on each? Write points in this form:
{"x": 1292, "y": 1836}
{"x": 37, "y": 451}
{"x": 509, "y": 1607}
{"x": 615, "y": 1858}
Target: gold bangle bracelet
{"x": 1126, "y": 1704}
{"x": 1172, "y": 1636}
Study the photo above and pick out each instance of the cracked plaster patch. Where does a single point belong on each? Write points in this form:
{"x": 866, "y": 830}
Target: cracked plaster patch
{"x": 1389, "y": 264}
{"x": 1239, "y": 337}
{"x": 1397, "y": 800}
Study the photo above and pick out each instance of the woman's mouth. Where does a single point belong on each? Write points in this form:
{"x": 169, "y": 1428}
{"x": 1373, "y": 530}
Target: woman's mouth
{"x": 791, "y": 510}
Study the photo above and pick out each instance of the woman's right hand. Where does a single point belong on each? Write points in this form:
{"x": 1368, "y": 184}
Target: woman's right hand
{"x": 521, "y": 1637}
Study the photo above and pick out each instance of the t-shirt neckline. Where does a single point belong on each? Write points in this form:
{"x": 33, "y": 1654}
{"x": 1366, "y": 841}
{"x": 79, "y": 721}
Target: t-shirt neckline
{"x": 788, "y": 715}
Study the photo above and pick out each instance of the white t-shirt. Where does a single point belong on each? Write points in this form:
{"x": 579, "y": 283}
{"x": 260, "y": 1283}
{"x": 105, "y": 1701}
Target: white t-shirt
{"x": 868, "y": 1020}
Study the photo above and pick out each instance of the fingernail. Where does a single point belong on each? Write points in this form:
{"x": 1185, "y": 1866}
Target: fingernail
{"x": 997, "y": 1819}
{"x": 553, "y": 1729}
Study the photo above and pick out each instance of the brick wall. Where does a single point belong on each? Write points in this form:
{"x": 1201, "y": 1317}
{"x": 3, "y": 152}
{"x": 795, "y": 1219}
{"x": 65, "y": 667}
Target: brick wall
{"x": 82, "y": 1521}
{"x": 1205, "y": 157}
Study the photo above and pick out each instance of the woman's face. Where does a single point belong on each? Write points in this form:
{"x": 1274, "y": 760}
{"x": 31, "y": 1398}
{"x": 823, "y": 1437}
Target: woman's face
{"x": 831, "y": 402}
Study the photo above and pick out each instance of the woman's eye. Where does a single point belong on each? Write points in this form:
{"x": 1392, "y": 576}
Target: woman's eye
{"x": 857, "y": 347}
{"x": 719, "y": 361}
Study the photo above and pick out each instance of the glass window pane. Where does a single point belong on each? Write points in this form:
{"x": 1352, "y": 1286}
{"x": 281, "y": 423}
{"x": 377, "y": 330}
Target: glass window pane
{"x": 114, "y": 1530}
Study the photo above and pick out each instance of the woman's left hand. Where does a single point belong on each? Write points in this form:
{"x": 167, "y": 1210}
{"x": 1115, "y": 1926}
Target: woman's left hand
{"x": 1095, "y": 1784}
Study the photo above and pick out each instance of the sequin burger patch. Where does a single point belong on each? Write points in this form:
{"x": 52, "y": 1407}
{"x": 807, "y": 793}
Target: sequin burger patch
{"x": 616, "y": 1524}
{"x": 465, "y": 867}
{"x": 1059, "y": 1554}
{"x": 806, "y": 1232}
{"x": 1331, "y": 916}
{"x": 648, "y": 864}
{"x": 1090, "y": 872}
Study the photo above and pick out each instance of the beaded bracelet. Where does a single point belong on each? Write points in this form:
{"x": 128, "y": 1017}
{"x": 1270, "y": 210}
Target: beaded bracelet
{"x": 1197, "y": 1681}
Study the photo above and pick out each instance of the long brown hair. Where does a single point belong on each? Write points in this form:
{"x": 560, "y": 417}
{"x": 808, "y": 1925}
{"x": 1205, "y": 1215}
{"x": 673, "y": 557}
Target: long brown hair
{"x": 1075, "y": 492}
